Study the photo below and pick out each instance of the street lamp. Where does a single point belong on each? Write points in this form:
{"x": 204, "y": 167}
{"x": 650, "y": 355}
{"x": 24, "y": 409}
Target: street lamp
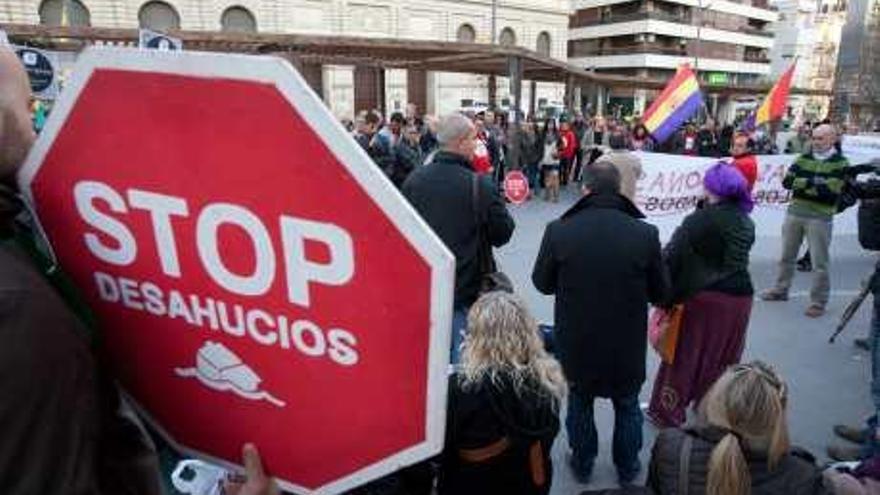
{"x": 494, "y": 19}
{"x": 491, "y": 81}
{"x": 700, "y": 10}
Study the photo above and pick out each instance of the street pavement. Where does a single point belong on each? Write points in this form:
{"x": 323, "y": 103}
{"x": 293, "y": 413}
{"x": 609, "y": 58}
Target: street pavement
{"x": 828, "y": 383}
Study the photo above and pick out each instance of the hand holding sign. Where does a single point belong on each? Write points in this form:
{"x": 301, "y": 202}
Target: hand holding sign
{"x": 257, "y": 483}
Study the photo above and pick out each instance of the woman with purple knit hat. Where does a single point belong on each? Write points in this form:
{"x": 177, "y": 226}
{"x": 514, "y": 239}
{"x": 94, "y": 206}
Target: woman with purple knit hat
{"x": 708, "y": 260}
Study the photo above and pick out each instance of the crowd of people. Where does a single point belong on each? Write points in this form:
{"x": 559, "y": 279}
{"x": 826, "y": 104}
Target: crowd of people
{"x": 68, "y": 430}
{"x": 604, "y": 265}
{"x": 554, "y": 152}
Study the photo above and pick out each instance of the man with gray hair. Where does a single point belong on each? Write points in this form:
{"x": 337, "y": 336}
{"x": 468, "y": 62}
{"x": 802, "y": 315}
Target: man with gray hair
{"x": 464, "y": 209}
{"x": 816, "y": 180}
{"x": 603, "y": 264}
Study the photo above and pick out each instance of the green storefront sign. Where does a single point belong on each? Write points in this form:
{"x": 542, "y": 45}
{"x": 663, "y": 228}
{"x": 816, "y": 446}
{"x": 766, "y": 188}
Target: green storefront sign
{"x": 717, "y": 78}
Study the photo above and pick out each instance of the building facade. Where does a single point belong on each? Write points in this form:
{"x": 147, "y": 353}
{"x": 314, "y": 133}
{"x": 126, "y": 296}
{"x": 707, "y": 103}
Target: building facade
{"x": 535, "y": 24}
{"x": 794, "y": 42}
{"x": 727, "y": 42}
{"x": 828, "y": 27}
{"x": 857, "y": 79}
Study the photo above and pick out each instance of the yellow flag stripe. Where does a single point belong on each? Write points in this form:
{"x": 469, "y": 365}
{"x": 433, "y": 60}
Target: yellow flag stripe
{"x": 671, "y": 103}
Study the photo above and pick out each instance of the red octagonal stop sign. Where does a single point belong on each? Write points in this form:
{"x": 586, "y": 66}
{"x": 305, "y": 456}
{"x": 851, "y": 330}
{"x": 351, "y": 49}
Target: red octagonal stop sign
{"x": 255, "y": 276}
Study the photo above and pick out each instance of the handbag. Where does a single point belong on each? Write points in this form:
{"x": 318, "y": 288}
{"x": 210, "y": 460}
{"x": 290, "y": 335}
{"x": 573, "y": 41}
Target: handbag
{"x": 491, "y": 278}
{"x": 664, "y": 328}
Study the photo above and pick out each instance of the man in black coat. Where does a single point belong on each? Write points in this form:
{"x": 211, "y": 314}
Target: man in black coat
{"x": 377, "y": 145}
{"x": 603, "y": 264}
{"x": 463, "y": 208}
{"x": 707, "y": 140}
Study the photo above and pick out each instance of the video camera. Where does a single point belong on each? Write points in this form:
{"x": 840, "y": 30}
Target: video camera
{"x": 867, "y": 193}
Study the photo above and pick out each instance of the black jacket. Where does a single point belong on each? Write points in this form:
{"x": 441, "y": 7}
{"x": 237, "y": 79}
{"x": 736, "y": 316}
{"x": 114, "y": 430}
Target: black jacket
{"x": 532, "y": 149}
{"x": 442, "y": 193}
{"x": 707, "y": 143}
{"x": 710, "y": 251}
{"x": 378, "y": 151}
{"x": 484, "y": 414}
{"x": 603, "y": 264}
{"x": 407, "y": 157}
{"x": 793, "y": 475}
{"x": 428, "y": 143}
{"x": 62, "y": 433}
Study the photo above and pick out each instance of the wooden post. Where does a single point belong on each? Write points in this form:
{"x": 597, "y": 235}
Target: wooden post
{"x": 569, "y": 94}
{"x": 417, "y": 89}
{"x": 380, "y": 89}
{"x": 493, "y": 92}
{"x": 515, "y": 73}
{"x": 533, "y": 98}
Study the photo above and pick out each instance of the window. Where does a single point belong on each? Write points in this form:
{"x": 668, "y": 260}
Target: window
{"x": 238, "y": 20}
{"x": 158, "y": 16}
{"x": 543, "y": 44}
{"x": 507, "y": 38}
{"x": 466, "y": 34}
{"x": 64, "y": 13}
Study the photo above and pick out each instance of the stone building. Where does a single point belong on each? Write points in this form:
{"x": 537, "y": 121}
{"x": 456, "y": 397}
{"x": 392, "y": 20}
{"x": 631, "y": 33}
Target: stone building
{"x": 540, "y": 25}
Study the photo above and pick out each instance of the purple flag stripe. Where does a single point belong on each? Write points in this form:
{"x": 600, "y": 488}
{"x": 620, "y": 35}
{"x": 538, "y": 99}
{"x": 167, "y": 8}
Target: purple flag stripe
{"x": 681, "y": 114}
{"x": 748, "y": 125}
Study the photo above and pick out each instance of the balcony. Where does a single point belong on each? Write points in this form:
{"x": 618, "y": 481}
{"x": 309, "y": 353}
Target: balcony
{"x": 633, "y": 49}
{"x": 666, "y": 49}
{"x": 636, "y": 16}
{"x": 755, "y": 31}
{"x": 683, "y": 18}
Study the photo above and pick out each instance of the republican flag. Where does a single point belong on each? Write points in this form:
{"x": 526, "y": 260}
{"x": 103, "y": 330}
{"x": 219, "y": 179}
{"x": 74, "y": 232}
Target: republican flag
{"x": 748, "y": 124}
{"x": 680, "y": 99}
{"x": 774, "y": 104}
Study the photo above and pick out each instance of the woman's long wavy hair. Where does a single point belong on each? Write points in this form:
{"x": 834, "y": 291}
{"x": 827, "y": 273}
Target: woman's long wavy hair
{"x": 503, "y": 341}
{"x": 749, "y": 401}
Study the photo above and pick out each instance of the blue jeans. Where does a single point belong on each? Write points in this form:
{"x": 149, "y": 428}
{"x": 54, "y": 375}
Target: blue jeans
{"x": 459, "y": 328}
{"x": 584, "y": 440}
{"x": 532, "y": 175}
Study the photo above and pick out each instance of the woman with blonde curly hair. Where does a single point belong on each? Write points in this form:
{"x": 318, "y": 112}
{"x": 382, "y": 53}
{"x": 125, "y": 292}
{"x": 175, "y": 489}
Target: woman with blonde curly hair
{"x": 503, "y": 404}
{"x": 739, "y": 445}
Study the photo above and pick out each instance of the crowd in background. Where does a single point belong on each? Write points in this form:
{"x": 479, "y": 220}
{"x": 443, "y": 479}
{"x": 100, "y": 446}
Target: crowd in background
{"x": 552, "y": 152}
{"x": 603, "y": 265}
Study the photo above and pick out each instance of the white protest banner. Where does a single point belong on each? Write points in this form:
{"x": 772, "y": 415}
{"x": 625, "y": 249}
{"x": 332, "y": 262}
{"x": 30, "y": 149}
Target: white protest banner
{"x": 861, "y": 148}
{"x": 671, "y": 185}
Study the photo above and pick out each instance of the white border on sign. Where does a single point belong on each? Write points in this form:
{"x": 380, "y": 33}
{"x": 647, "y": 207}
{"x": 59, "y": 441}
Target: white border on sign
{"x": 276, "y": 71}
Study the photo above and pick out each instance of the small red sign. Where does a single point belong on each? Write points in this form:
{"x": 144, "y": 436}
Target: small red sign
{"x": 516, "y": 187}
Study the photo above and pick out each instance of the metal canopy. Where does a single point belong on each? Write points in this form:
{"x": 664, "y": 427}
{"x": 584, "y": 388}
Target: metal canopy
{"x": 388, "y": 53}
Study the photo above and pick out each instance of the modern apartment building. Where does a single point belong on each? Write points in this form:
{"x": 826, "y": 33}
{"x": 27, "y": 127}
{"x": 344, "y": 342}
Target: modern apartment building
{"x": 540, "y": 25}
{"x": 795, "y": 40}
{"x": 828, "y": 26}
{"x": 727, "y": 42}
{"x": 857, "y": 81}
